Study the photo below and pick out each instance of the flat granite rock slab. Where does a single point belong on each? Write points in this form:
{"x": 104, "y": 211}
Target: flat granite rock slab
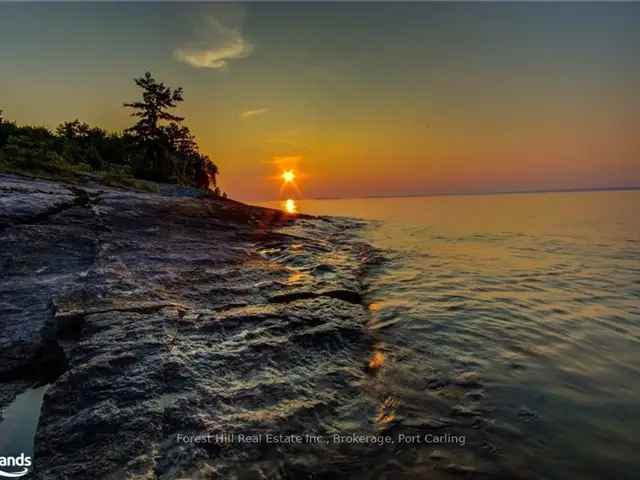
{"x": 167, "y": 314}
{"x": 39, "y": 261}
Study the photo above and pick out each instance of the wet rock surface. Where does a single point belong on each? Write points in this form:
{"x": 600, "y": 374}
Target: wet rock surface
{"x": 158, "y": 316}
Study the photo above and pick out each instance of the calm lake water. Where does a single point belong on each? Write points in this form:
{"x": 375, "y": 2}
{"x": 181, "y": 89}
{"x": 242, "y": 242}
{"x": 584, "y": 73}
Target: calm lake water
{"x": 513, "y": 320}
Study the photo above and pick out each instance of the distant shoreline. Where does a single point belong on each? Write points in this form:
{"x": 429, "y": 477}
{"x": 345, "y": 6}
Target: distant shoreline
{"x": 462, "y": 194}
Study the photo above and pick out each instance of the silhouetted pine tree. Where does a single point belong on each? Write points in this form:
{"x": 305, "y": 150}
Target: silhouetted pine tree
{"x": 154, "y": 156}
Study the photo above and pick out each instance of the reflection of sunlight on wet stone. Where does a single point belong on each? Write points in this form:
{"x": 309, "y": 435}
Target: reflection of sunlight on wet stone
{"x": 387, "y": 411}
{"x": 376, "y": 361}
{"x": 375, "y": 306}
{"x": 295, "y": 277}
{"x": 298, "y": 277}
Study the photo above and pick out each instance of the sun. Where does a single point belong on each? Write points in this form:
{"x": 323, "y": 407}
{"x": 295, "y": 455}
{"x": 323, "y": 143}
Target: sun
{"x": 288, "y": 176}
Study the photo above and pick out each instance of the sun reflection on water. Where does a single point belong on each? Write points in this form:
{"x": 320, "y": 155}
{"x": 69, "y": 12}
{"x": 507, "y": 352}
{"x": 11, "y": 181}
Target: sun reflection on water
{"x": 290, "y": 206}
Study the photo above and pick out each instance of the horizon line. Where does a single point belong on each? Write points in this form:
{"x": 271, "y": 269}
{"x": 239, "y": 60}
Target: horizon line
{"x": 462, "y": 194}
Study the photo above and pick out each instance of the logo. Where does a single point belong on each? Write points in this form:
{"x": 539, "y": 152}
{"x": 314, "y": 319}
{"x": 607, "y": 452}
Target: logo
{"x": 21, "y": 461}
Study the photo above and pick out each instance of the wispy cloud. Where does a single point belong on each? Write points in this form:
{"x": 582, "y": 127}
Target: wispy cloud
{"x": 217, "y": 45}
{"x": 253, "y": 113}
{"x": 289, "y": 160}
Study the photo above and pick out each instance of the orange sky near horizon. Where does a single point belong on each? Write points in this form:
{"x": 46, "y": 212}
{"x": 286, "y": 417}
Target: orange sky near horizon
{"x": 577, "y": 147}
{"x": 361, "y": 99}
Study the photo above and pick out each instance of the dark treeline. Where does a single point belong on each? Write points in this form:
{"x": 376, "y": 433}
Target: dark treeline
{"x": 157, "y": 147}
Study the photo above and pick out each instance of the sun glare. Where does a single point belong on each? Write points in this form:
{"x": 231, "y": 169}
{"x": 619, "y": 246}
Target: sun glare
{"x": 290, "y": 206}
{"x": 288, "y": 176}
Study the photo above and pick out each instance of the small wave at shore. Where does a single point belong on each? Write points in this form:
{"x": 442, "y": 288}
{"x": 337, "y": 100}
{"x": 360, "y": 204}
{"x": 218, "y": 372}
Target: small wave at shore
{"x": 510, "y": 320}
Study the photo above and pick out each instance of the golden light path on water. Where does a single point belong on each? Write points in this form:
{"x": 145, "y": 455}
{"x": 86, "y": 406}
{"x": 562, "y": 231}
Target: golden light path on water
{"x": 290, "y": 206}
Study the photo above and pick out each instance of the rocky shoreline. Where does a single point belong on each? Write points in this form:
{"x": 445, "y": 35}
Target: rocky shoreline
{"x": 152, "y": 315}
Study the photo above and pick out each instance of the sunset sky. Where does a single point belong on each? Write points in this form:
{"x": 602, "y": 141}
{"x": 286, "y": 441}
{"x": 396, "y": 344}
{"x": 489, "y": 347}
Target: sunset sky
{"x": 360, "y": 98}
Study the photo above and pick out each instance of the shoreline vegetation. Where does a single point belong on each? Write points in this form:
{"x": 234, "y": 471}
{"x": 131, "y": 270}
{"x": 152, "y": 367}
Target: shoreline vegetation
{"x": 157, "y": 148}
